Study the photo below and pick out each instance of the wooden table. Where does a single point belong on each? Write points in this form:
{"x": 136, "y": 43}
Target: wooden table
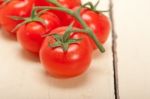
{"x": 120, "y": 73}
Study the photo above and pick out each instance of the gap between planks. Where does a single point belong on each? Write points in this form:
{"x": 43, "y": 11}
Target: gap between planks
{"x": 114, "y": 51}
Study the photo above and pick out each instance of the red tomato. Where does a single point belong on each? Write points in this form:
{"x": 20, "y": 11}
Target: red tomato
{"x": 98, "y": 22}
{"x": 30, "y": 34}
{"x": 65, "y": 18}
{"x": 20, "y": 8}
{"x": 72, "y": 62}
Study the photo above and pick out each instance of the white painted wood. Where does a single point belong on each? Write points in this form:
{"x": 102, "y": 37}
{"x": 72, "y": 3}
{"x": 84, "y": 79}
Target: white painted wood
{"x": 23, "y": 77}
{"x": 132, "y": 18}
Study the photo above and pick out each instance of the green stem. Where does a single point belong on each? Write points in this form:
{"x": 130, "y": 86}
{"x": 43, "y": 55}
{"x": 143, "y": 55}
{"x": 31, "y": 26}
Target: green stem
{"x": 33, "y": 13}
{"x": 76, "y": 14}
{"x": 82, "y": 22}
{"x": 67, "y": 33}
{"x": 33, "y": 18}
{"x": 56, "y": 8}
{"x": 96, "y": 41}
{"x": 90, "y": 32}
{"x": 89, "y": 4}
{"x": 55, "y": 2}
{"x": 79, "y": 30}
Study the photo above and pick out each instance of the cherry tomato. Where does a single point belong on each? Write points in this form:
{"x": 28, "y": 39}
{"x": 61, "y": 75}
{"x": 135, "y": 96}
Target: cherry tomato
{"x": 20, "y": 8}
{"x": 98, "y": 22}
{"x": 30, "y": 34}
{"x": 72, "y": 62}
{"x": 65, "y": 18}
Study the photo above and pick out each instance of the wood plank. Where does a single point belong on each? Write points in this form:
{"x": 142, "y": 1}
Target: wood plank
{"x": 132, "y": 26}
{"x": 23, "y": 77}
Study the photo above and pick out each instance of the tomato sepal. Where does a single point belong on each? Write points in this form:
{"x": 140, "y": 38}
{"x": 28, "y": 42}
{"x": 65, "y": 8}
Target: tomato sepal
{"x": 63, "y": 40}
{"x": 34, "y": 17}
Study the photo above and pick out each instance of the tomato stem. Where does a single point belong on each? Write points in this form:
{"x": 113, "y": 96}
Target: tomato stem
{"x": 75, "y": 14}
{"x": 92, "y": 7}
{"x": 34, "y": 17}
{"x": 89, "y": 4}
{"x": 67, "y": 33}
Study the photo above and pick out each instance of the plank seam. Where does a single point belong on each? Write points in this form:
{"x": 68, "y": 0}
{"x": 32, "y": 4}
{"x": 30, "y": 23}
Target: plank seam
{"x": 114, "y": 51}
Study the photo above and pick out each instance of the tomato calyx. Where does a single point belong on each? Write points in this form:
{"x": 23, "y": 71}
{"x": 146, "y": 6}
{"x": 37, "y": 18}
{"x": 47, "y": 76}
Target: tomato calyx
{"x": 34, "y": 17}
{"x": 93, "y": 7}
{"x": 64, "y": 44}
{"x": 64, "y": 40}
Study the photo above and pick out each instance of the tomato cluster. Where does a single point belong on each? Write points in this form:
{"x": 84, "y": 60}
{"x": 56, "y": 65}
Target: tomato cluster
{"x": 45, "y": 33}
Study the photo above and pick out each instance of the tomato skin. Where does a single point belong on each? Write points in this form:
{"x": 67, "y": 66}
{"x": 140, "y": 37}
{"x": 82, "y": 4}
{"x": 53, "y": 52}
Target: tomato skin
{"x": 70, "y": 63}
{"x": 0, "y": 16}
{"x": 1, "y": 1}
{"x": 67, "y": 3}
{"x": 21, "y": 8}
{"x": 1, "y": 6}
{"x": 65, "y": 18}
{"x": 70, "y": 3}
{"x": 30, "y": 35}
{"x": 98, "y": 22}
{"x": 42, "y": 3}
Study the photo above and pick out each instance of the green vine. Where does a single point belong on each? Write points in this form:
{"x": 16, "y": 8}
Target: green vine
{"x": 76, "y": 15}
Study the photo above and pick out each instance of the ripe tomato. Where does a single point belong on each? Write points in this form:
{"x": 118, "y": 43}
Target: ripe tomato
{"x": 30, "y": 34}
{"x": 98, "y": 22}
{"x": 65, "y": 18}
{"x": 20, "y": 8}
{"x": 72, "y": 62}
